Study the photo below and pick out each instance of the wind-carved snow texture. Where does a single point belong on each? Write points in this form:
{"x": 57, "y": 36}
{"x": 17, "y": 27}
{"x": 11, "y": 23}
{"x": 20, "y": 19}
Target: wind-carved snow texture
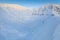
{"x": 30, "y": 24}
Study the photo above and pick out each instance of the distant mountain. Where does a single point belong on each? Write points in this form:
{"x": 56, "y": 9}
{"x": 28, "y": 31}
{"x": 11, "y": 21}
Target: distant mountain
{"x": 53, "y": 8}
{"x": 14, "y": 6}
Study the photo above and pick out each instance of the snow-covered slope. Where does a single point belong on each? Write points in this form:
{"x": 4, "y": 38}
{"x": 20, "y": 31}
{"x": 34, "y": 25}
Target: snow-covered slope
{"x": 21, "y": 23}
{"x": 15, "y": 13}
